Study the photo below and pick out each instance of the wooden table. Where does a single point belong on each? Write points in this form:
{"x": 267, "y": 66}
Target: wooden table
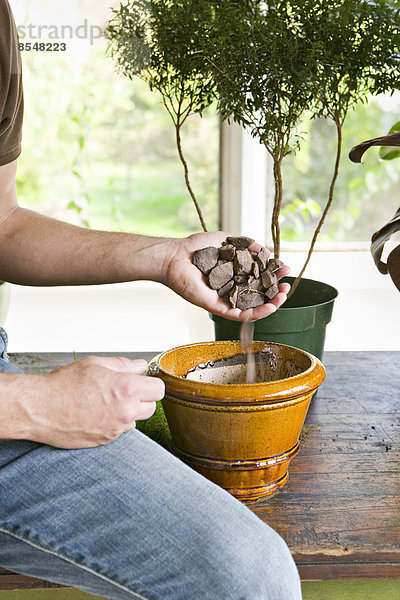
{"x": 340, "y": 510}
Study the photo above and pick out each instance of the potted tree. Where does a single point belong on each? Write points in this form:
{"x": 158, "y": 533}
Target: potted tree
{"x": 266, "y": 63}
{"x": 322, "y": 56}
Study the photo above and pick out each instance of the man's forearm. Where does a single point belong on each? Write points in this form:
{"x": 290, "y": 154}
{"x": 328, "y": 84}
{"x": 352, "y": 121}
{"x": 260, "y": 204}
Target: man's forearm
{"x": 15, "y": 409}
{"x": 37, "y": 250}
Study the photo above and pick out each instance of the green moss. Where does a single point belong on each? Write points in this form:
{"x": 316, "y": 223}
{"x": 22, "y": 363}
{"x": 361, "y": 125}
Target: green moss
{"x": 157, "y": 428}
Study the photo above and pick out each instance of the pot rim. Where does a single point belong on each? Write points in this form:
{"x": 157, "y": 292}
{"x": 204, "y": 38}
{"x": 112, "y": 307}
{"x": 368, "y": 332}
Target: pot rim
{"x": 284, "y": 308}
{"x": 332, "y": 289}
{"x": 270, "y": 391}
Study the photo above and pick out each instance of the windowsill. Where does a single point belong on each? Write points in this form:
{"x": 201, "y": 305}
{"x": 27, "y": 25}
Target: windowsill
{"x": 146, "y": 316}
{"x": 326, "y": 247}
{"x": 351, "y": 269}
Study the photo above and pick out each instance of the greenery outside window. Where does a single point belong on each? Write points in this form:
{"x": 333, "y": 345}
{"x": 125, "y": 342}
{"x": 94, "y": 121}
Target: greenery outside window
{"x": 99, "y": 150}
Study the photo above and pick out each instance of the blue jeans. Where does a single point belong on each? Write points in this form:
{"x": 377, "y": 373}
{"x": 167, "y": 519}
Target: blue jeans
{"x": 131, "y": 521}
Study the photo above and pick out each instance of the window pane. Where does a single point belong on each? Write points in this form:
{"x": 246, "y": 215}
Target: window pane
{"x": 366, "y": 195}
{"x": 98, "y": 148}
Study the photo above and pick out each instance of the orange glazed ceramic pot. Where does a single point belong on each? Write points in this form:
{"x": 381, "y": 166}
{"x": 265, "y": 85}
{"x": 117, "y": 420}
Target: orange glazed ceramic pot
{"x": 240, "y": 436}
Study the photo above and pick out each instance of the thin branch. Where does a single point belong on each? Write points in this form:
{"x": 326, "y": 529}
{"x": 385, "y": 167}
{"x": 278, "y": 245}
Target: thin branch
{"x": 275, "y": 226}
{"x": 172, "y": 113}
{"x": 179, "y": 117}
{"x": 186, "y": 170}
{"x": 338, "y": 124}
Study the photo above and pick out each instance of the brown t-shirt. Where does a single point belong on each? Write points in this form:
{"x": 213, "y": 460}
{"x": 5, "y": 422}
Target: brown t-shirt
{"x": 11, "y": 92}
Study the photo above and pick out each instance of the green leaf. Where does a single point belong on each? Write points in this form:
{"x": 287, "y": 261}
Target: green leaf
{"x": 392, "y": 140}
{"x": 74, "y": 206}
{"x": 386, "y": 152}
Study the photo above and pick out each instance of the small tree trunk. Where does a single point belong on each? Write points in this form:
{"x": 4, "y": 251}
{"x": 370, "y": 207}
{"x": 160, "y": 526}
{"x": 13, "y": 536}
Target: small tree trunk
{"x": 186, "y": 170}
{"x": 338, "y": 124}
{"x": 275, "y": 226}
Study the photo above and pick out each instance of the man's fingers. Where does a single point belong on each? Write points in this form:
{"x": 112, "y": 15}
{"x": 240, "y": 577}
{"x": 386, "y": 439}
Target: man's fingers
{"x": 256, "y": 247}
{"x": 141, "y": 388}
{"x": 146, "y": 411}
{"x": 152, "y": 390}
{"x": 284, "y": 288}
{"x": 131, "y": 382}
{"x": 283, "y": 272}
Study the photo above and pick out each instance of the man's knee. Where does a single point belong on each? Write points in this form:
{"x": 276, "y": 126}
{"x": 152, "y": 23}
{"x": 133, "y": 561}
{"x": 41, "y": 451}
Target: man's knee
{"x": 256, "y": 566}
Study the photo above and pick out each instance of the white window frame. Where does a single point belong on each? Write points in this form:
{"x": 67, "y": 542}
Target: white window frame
{"x": 246, "y": 195}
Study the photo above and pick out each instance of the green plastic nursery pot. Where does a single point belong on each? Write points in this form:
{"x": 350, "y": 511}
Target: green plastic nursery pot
{"x": 301, "y": 322}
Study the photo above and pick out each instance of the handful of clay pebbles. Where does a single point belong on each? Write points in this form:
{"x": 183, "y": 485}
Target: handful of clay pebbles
{"x": 243, "y": 278}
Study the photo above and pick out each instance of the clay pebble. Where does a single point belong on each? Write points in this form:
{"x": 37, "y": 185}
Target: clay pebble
{"x": 224, "y": 291}
{"x": 268, "y": 279}
{"x": 274, "y": 264}
{"x": 243, "y": 262}
{"x": 205, "y": 259}
{"x": 220, "y": 275}
{"x": 242, "y": 278}
{"x": 227, "y": 252}
{"x": 255, "y": 270}
{"x": 240, "y": 242}
{"x": 256, "y": 284}
{"x": 271, "y": 292}
{"x": 261, "y": 259}
{"x": 233, "y": 296}
{"x": 249, "y": 298}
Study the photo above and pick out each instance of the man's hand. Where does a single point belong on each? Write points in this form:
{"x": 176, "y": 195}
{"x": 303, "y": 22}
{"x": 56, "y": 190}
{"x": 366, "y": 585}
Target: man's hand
{"x": 187, "y": 281}
{"x": 90, "y": 402}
